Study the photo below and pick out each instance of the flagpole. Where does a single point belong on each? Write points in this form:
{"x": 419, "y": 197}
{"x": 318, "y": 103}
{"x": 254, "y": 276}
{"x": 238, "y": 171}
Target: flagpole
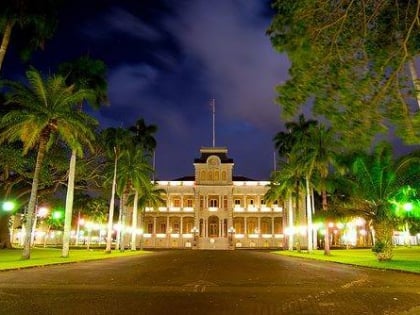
{"x": 214, "y": 121}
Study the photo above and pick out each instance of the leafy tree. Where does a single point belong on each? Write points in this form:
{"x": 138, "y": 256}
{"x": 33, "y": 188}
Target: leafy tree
{"x": 46, "y": 110}
{"x": 341, "y": 61}
{"x": 36, "y": 21}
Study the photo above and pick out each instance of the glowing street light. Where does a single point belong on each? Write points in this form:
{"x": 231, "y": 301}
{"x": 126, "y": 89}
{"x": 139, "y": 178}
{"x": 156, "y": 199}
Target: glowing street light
{"x": 8, "y": 206}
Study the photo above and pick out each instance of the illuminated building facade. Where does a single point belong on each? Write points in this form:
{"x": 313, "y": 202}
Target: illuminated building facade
{"x": 213, "y": 210}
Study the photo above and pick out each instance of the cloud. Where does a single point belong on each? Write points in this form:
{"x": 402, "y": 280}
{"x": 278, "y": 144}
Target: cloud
{"x": 118, "y": 20}
{"x": 239, "y": 63}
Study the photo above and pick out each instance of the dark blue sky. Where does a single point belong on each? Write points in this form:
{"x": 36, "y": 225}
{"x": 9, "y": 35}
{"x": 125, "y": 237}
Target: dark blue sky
{"x": 166, "y": 60}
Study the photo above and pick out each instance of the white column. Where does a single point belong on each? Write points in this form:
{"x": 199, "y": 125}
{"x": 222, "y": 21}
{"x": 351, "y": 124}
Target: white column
{"x": 154, "y": 225}
{"x": 272, "y": 225}
{"x": 167, "y": 224}
{"x": 245, "y": 225}
{"x": 181, "y": 225}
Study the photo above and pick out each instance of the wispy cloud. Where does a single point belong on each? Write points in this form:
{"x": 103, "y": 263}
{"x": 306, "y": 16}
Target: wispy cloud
{"x": 118, "y": 21}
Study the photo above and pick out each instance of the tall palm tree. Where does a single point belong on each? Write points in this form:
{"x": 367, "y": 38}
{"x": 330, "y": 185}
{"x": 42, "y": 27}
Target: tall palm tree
{"x": 45, "y": 110}
{"x": 37, "y": 19}
{"x": 149, "y": 196}
{"x": 288, "y": 183}
{"x": 115, "y": 141}
{"x": 373, "y": 181}
{"x": 88, "y": 74}
{"x": 292, "y": 144}
{"x": 320, "y": 151}
{"x": 143, "y": 135}
{"x": 144, "y": 139}
{"x": 133, "y": 173}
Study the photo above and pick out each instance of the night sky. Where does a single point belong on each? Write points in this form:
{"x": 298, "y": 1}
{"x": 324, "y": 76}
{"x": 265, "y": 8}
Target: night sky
{"x": 166, "y": 61}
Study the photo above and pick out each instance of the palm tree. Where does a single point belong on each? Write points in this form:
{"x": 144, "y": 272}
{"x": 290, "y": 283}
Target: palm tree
{"x": 115, "y": 141}
{"x": 292, "y": 144}
{"x": 45, "y": 110}
{"x": 144, "y": 139}
{"x": 373, "y": 181}
{"x": 149, "y": 196}
{"x": 85, "y": 74}
{"x": 320, "y": 151}
{"x": 143, "y": 135}
{"x": 133, "y": 172}
{"x": 37, "y": 19}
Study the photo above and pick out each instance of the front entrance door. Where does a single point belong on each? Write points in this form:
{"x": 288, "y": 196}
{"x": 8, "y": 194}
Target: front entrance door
{"x": 213, "y": 226}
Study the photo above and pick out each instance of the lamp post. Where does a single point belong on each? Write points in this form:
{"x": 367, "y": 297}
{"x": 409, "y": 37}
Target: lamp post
{"x": 231, "y": 232}
{"x": 80, "y": 222}
{"x": 8, "y": 207}
{"x": 408, "y": 207}
{"x": 41, "y": 212}
{"x": 194, "y": 231}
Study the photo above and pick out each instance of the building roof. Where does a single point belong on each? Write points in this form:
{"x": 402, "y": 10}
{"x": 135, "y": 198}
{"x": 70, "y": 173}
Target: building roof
{"x": 191, "y": 178}
{"x": 220, "y": 152}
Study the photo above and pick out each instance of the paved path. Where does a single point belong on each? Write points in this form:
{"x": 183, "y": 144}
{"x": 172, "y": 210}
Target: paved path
{"x": 208, "y": 282}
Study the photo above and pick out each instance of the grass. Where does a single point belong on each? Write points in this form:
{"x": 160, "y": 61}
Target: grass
{"x": 11, "y": 258}
{"x": 404, "y": 259}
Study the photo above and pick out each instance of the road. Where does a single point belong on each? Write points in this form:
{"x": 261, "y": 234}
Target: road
{"x": 208, "y": 282}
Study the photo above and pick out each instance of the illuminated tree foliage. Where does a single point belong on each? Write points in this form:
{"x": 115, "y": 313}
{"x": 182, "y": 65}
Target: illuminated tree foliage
{"x": 355, "y": 61}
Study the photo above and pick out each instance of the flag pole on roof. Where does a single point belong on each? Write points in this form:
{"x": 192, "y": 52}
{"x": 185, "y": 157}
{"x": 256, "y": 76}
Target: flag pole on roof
{"x": 213, "y": 105}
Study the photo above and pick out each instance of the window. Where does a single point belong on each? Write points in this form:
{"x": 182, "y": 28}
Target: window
{"x": 175, "y": 228}
{"x": 189, "y": 203}
{"x": 177, "y": 203}
{"x": 162, "y": 228}
{"x": 223, "y": 175}
{"x": 262, "y": 201}
{"x": 213, "y": 203}
{"x": 150, "y": 228}
{"x": 237, "y": 202}
{"x": 251, "y": 202}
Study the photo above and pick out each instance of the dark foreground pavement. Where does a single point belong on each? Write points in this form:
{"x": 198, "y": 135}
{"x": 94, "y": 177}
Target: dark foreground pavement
{"x": 208, "y": 282}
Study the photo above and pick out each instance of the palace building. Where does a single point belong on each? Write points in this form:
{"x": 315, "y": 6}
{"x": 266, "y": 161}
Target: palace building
{"x": 213, "y": 210}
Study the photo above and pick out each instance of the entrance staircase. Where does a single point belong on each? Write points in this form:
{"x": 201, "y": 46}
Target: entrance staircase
{"x": 216, "y": 243}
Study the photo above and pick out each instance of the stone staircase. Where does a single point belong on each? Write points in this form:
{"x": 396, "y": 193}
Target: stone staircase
{"x": 216, "y": 243}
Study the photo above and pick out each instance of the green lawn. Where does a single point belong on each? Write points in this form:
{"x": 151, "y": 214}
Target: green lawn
{"x": 405, "y": 258}
{"x": 11, "y": 258}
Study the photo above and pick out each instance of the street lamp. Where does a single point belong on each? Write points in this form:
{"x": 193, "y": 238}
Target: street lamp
{"x": 41, "y": 212}
{"x": 231, "y": 232}
{"x": 194, "y": 231}
{"x": 8, "y": 206}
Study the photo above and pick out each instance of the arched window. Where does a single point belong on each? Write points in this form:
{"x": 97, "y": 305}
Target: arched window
{"x": 223, "y": 175}
{"x": 216, "y": 175}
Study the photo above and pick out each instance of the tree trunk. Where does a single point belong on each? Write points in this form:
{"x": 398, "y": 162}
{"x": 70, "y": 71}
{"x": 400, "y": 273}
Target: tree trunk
{"x": 134, "y": 222}
{"x": 5, "y": 232}
{"x": 69, "y": 206}
{"x": 309, "y": 215}
{"x": 327, "y": 250}
{"x": 383, "y": 240}
{"x": 291, "y": 225}
{"x": 416, "y": 81}
{"x": 32, "y": 199}
{"x": 111, "y": 209}
{"x": 6, "y": 40}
